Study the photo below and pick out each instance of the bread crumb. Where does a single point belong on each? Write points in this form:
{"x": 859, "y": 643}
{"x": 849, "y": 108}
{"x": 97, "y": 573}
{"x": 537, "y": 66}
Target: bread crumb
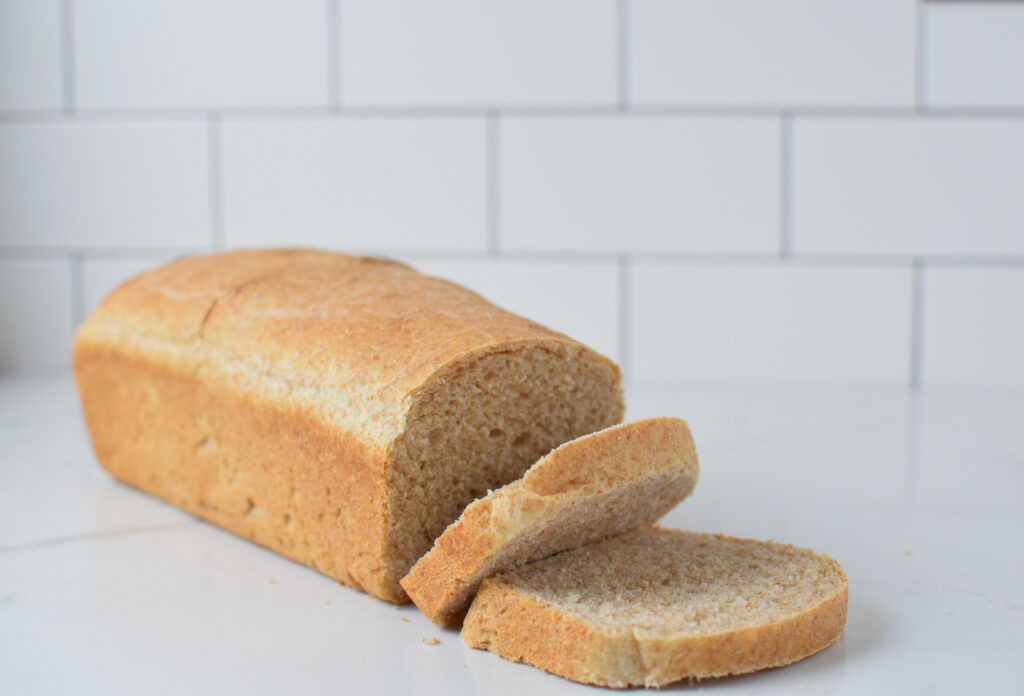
{"x": 405, "y": 620}
{"x": 466, "y": 666}
{"x": 950, "y": 613}
{"x": 273, "y": 580}
{"x": 328, "y": 602}
{"x": 431, "y": 641}
{"x": 907, "y": 554}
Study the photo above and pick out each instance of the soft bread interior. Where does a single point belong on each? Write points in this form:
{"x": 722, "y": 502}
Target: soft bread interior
{"x": 480, "y": 426}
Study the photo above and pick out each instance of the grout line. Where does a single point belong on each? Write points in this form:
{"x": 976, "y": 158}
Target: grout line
{"x": 333, "y": 55}
{"x": 913, "y": 448}
{"x": 77, "y": 290}
{"x": 622, "y": 49}
{"x": 736, "y": 258}
{"x": 625, "y": 274}
{"x": 67, "y": 56}
{"x": 215, "y": 183}
{"x": 920, "y": 56}
{"x": 917, "y": 324}
{"x": 667, "y": 111}
{"x": 786, "y": 190}
{"x": 493, "y": 184}
{"x": 107, "y": 253}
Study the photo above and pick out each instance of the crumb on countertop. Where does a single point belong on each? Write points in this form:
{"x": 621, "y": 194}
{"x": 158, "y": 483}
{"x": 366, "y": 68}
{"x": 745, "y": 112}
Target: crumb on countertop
{"x": 907, "y": 554}
{"x": 405, "y": 620}
{"x": 328, "y": 602}
{"x": 431, "y": 641}
{"x": 273, "y": 580}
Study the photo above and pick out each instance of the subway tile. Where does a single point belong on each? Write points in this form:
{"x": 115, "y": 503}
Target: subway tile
{"x": 467, "y": 52}
{"x": 644, "y": 184}
{"x": 356, "y": 183}
{"x": 780, "y": 322}
{"x": 30, "y": 56}
{"x": 200, "y": 53}
{"x": 909, "y": 186}
{"x": 103, "y": 185}
{"x": 974, "y": 326}
{"x": 35, "y": 315}
{"x": 975, "y": 54}
{"x": 101, "y": 276}
{"x": 786, "y": 52}
{"x": 578, "y": 299}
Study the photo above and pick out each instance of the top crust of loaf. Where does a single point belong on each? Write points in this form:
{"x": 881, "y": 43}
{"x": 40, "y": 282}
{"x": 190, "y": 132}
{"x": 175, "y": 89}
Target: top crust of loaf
{"x": 586, "y": 489}
{"x": 353, "y": 338}
{"x": 653, "y": 606}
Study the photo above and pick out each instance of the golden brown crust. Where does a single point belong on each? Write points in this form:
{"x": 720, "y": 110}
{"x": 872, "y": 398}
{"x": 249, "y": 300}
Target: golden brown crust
{"x": 654, "y": 450}
{"x": 522, "y": 628}
{"x": 302, "y": 367}
{"x": 530, "y": 632}
{"x": 264, "y": 471}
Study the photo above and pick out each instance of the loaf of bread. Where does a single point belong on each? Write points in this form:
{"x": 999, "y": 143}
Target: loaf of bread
{"x": 340, "y": 410}
{"x": 654, "y": 606}
{"x": 592, "y": 487}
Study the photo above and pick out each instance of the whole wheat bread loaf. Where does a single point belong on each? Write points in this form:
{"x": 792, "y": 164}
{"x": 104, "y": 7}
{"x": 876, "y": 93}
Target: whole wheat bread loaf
{"x": 586, "y": 489}
{"x": 654, "y": 606}
{"x": 341, "y": 410}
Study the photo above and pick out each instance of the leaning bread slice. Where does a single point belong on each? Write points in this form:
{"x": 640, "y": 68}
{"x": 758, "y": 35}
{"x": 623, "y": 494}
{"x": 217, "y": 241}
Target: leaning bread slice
{"x": 654, "y": 606}
{"x": 598, "y": 485}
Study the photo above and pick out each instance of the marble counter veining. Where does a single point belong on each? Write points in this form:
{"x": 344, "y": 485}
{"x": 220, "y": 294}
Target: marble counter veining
{"x": 920, "y": 496}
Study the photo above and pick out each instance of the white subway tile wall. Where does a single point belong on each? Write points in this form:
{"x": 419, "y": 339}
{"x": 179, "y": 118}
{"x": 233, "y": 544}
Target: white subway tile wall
{"x": 974, "y": 326}
{"x": 81, "y": 185}
{"x": 790, "y": 322}
{"x": 909, "y": 186}
{"x": 978, "y": 54}
{"x": 356, "y": 183}
{"x": 30, "y": 55}
{"x": 708, "y": 190}
{"x": 478, "y": 52}
{"x": 200, "y": 53}
{"x": 779, "y": 53}
{"x": 646, "y": 183}
{"x": 36, "y": 311}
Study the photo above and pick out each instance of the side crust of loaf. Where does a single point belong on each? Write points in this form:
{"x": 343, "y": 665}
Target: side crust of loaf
{"x": 594, "y": 486}
{"x": 522, "y": 628}
{"x": 271, "y": 474}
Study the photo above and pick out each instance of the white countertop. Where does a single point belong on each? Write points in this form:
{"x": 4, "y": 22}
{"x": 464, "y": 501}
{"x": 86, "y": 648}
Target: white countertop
{"x": 921, "y": 498}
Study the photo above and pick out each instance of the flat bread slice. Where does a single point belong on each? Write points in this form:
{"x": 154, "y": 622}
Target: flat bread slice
{"x": 654, "y": 606}
{"x": 592, "y": 487}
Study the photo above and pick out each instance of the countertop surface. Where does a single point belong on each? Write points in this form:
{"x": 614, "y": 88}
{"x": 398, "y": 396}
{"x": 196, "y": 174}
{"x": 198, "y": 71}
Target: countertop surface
{"x": 920, "y": 496}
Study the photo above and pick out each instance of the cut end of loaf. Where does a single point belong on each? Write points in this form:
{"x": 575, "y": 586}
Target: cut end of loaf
{"x": 480, "y": 424}
{"x": 596, "y": 486}
{"x": 655, "y": 606}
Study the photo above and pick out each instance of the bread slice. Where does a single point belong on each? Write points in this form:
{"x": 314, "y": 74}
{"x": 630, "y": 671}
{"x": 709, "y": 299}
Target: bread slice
{"x": 653, "y": 606}
{"x": 586, "y": 489}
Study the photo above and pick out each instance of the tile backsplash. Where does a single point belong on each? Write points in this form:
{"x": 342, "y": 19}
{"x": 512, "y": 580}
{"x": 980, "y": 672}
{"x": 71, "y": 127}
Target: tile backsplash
{"x": 795, "y": 190}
